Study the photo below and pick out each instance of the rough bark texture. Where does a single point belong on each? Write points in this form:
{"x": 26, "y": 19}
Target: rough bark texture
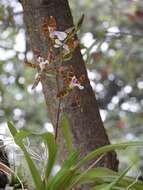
{"x": 85, "y": 122}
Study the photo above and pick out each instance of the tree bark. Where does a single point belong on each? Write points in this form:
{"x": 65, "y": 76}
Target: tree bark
{"x": 85, "y": 121}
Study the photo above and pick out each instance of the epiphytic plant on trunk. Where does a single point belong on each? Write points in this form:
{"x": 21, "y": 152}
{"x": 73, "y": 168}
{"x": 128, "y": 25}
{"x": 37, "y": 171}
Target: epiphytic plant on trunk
{"x": 69, "y": 176}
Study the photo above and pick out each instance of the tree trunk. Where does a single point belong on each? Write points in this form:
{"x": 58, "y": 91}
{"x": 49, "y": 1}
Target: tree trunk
{"x": 85, "y": 121}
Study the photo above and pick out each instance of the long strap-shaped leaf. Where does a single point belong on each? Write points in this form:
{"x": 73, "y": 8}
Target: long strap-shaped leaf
{"x": 107, "y": 148}
{"x": 34, "y": 172}
{"x": 111, "y": 185}
{"x": 67, "y": 134}
{"x": 62, "y": 180}
{"x": 18, "y": 137}
{"x": 105, "y": 175}
{"x": 52, "y": 152}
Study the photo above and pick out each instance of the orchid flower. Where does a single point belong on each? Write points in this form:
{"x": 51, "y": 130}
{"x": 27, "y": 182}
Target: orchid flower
{"x": 75, "y": 83}
{"x": 58, "y": 44}
{"x": 42, "y": 62}
{"x": 59, "y": 37}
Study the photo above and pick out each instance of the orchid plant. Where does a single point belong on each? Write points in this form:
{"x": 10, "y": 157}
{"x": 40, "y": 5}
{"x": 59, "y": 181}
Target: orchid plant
{"x": 70, "y": 176}
{"x": 66, "y": 43}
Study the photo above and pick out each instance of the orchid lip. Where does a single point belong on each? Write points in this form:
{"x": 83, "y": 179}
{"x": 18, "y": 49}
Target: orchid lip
{"x": 75, "y": 83}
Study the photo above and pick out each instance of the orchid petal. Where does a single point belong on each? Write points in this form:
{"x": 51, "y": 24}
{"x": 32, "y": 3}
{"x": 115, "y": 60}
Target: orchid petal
{"x": 69, "y": 30}
{"x": 58, "y": 42}
{"x": 80, "y": 87}
{"x": 56, "y": 46}
{"x": 60, "y": 35}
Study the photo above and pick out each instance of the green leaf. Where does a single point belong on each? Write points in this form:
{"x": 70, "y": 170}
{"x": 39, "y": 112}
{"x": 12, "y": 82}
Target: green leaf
{"x": 111, "y": 185}
{"x": 108, "y": 148}
{"x": 64, "y": 177}
{"x": 79, "y": 23}
{"x": 22, "y": 134}
{"x": 72, "y": 160}
{"x": 67, "y": 134}
{"x": 100, "y": 187}
{"x": 52, "y": 152}
{"x": 12, "y": 129}
{"x": 63, "y": 180}
{"x": 18, "y": 137}
{"x": 82, "y": 46}
{"x": 98, "y": 175}
{"x": 105, "y": 175}
{"x": 99, "y": 172}
{"x": 33, "y": 170}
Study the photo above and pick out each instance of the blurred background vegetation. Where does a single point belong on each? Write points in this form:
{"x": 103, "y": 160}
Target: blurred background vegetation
{"x": 112, "y": 33}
